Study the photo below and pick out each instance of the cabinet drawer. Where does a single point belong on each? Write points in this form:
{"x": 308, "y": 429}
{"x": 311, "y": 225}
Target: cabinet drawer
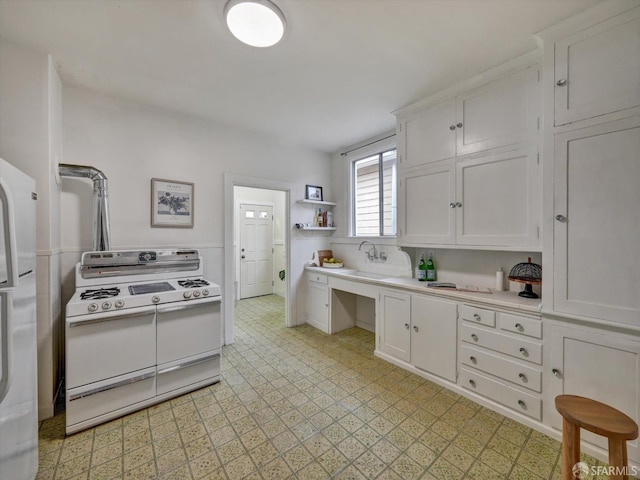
{"x": 101, "y": 398}
{"x": 522, "y": 325}
{"x": 516, "y": 347}
{"x": 478, "y": 315}
{"x": 511, "y": 370}
{"x": 188, "y": 371}
{"x": 510, "y": 397}
{"x": 318, "y": 278}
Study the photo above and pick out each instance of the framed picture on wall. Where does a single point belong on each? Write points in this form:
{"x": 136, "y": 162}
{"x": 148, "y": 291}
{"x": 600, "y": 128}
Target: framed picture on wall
{"x": 171, "y": 203}
{"x": 313, "y": 193}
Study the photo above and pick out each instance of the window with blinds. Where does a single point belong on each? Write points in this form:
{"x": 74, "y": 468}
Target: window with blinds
{"x": 374, "y": 195}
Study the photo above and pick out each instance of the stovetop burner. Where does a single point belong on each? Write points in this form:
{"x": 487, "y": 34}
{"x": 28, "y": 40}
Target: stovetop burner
{"x": 193, "y": 283}
{"x": 99, "y": 293}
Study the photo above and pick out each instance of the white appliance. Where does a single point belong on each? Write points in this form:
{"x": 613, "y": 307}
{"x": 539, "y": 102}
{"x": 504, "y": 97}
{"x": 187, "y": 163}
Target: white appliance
{"x": 141, "y": 327}
{"x": 18, "y": 384}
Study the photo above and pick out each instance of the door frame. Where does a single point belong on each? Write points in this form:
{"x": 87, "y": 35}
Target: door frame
{"x": 231, "y": 181}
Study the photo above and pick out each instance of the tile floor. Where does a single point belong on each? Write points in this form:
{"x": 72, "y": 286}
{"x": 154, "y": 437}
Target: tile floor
{"x": 296, "y": 403}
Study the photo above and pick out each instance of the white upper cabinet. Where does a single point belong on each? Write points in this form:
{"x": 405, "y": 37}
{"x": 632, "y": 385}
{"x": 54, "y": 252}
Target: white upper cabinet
{"x": 429, "y": 136}
{"x": 504, "y": 112}
{"x": 596, "y": 263}
{"x": 597, "y": 69}
{"x": 499, "y": 113}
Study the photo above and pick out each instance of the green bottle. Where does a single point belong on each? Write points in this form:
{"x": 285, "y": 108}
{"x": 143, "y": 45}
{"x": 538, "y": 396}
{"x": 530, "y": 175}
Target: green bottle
{"x": 422, "y": 269}
{"x": 431, "y": 270}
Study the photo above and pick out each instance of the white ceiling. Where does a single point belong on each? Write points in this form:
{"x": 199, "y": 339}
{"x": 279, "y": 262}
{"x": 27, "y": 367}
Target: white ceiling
{"x": 343, "y": 67}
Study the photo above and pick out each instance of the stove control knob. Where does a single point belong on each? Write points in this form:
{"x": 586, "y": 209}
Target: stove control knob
{"x": 186, "y": 294}
{"x": 92, "y": 307}
{"x": 155, "y": 299}
{"x": 196, "y": 293}
{"x": 119, "y": 304}
{"x": 205, "y": 292}
{"x": 106, "y": 305}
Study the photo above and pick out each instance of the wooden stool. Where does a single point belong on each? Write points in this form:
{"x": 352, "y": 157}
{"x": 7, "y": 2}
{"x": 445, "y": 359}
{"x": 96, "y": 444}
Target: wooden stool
{"x": 579, "y": 412}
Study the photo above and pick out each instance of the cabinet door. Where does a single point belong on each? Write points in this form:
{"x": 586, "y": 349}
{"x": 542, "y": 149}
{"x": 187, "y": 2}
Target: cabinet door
{"x": 596, "y": 264}
{"x": 498, "y": 197}
{"x": 434, "y": 336}
{"x": 427, "y": 137}
{"x": 597, "y": 70}
{"x": 598, "y": 365}
{"x": 318, "y": 306}
{"x": 395, "y": 319}
{"x": 501, "y": 113}
{"x": 425, "y": 211}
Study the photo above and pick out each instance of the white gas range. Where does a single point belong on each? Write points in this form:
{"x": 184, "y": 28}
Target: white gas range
{"x": 142, "y": 327}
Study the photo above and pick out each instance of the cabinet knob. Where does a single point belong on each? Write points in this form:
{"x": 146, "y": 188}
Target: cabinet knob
{"x": 557, "y": 373}
{"x": 519, "y": 327}
{"x": 522, "y": 404}
{"x": 523, "y": 351}
{"x": 472, "y": 383}
{"x": 458, "y": 204}
{"x": 452, "y": 127}
{"x": 242, "y": 256}
{"x": 474, "y": 337}
{"x": 562, "y": 82}
{"x": 459, "y": 125}
{"x": 561, "y": 218}
{"x": 473, "y": 360}
{"x": 523, "y": 377}
{"x": 406, "y": 325}
{"x": 452, "y": 205}
{"x": 476, "y": 317}
{"x": 415, "y": 329}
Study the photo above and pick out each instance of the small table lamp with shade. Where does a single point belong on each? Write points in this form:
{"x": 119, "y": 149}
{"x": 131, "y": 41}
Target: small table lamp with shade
{"x": 529, "y": 274}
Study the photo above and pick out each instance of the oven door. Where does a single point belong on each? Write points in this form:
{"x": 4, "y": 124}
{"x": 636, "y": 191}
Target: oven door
{"x": 188, "y": 328}
{"x": 108, "y": 344}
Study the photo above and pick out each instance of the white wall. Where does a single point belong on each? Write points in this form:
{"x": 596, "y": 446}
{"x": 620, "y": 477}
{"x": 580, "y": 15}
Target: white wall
{"x": 30, "y": 139}
{"x": 132, "y": 143}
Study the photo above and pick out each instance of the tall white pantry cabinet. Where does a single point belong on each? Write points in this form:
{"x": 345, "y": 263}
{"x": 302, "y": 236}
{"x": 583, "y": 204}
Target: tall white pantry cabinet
{"x": 591, "y": 211}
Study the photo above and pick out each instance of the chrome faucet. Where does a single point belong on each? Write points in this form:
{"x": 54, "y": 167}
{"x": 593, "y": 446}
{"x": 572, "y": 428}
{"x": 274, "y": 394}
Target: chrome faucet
{"x": 369, "y": 256}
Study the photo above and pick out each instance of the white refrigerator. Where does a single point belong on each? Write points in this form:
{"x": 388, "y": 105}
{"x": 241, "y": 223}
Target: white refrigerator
{"x": 18, "y": 344}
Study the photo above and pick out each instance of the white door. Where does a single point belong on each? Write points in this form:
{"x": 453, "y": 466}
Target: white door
{"x": 256, "y": 250}
{"x": 395, "y": 318}
{"x": 429, "y": 136}
{"x": 596, "y": 231}
{"x": 597, "y": 70}
{"x": 427, "y": 206}
{"x": 497, "y": 200}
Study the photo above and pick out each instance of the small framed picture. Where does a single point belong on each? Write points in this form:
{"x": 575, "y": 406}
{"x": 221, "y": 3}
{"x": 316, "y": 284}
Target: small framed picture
{"x": 313, "y": 193}
{"x": 171, "y": 203}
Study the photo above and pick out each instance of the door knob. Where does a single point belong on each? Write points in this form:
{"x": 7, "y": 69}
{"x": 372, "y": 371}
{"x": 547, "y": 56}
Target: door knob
{"x": 452, "y": 127}
{"x": 242, "y": 250}
{"x": 562, "y": 82}
{"x": 242, "y": 256}
{"x": 561, "y": 218}
{"x": 459, "y": 125}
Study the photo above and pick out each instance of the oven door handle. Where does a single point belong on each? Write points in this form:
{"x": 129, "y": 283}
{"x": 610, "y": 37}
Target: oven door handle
{"x": 191, "y": 304}
{"x": 111, "y": 386}
{"x": 188, "y": 364}
{"x": 80, "y": 321}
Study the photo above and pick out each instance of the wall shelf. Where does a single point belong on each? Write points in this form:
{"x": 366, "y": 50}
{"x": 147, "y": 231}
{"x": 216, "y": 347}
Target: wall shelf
{"x": 317, "y": 202}
{"x": 327, "y": 229}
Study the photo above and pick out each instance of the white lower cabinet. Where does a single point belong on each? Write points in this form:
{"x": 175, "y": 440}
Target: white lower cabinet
{"x": 501, "y": 358}
{"x": 318, "y": 301}
{"x": 420, "y": 330}
{"x": 594, "y": 363}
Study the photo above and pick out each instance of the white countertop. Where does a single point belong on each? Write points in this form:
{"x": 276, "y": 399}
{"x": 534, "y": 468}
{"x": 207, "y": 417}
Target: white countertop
{"x": 499, "y": 299}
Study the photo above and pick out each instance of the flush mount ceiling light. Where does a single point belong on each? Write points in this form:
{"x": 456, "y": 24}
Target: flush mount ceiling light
{"x": 259, "y": 23}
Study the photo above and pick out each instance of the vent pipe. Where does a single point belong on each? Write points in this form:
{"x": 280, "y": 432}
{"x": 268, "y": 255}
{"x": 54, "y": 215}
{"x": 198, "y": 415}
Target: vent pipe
{"x": 101, "y": 234}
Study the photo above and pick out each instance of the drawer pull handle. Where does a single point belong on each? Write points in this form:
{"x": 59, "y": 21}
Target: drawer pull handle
{"x": 474, "y": 360}
{"x": 524, "y": 352}
{"x": 406, "y": 325}
{"x": 415, "y": 329}
{"x": 562, "y": 82}
{"x": 472, "y": 383}
{"x": 476, "y": 317}
{"x": 189, "y": 364}
{"x": 522, "y": 404}
{"x": 519, "y": 327}
{"x": 474, "y": 337}
{"x": 106, "y": 388}
{"x": 557, "y": 373}
{"x": 523, "y": 377}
